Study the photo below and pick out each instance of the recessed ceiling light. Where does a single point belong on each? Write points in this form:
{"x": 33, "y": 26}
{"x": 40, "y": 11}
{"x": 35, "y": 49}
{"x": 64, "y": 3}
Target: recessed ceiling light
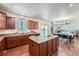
{"x": 71, "y": 5}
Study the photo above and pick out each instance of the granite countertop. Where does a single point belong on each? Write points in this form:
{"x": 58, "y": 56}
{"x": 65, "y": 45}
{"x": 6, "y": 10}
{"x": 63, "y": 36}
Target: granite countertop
{"x": 40, "y": 39}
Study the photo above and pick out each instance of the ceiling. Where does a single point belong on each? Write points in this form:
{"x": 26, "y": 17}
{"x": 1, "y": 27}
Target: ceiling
{"x": 43, "y": 11}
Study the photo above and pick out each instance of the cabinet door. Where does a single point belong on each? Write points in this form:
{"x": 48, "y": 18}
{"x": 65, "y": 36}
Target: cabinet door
{"x": 33, "y": 24}
{"x": 26, "y": 39}
{"x": 34, "y": 49}
{"x": 30, "y": 24}
{"x": 20, "y": 40}
{"x": 10, "y": 22}
{"x": 36, "y": 25}
{"x": 43, "y": 49}
{"x": 2, "y": 20}
{"x": 50, "y": 47}
{"x": 1, "y": 47}
{"x": 11, "y": 41}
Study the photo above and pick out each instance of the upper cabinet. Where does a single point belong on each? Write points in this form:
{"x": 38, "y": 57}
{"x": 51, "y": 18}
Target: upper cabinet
{"x": 10, "y": 22}
{"x": 32, "y": 24}
{"x": 2, "y": 20}
{"x": 36, "y": 25}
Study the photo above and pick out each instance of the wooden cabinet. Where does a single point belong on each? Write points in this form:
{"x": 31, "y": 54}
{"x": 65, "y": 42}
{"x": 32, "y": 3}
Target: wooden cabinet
{"x": 22, "y": 39}
{"x": 38, "y": 49}
{"x": 43, "y": 49}
{"x": 10, "y": 22}
{"x": 2, "y": 20}
{"x": 46, "y": 48}
{"x": 32, "y": 24}
{"x": 14, "y": 41}
{"x": 50, "y": 47}
{"x": 36, "y": 25}
{"x": 34, "y": 49}
{"x": 1, "y": 47}
{"x": 11, "y": 41}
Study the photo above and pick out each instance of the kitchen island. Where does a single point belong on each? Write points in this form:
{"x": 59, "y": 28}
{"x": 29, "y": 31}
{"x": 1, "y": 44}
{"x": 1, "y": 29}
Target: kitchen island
{"x": 43, "y": 46}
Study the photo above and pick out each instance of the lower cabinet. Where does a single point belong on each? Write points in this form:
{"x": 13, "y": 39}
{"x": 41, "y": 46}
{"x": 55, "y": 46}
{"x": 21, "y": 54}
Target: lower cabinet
{"x": 13, "y": 41}
{"x": 1, "y": 47}
{"x": 43, "y": 49}
{"x": 47, "y": 48}
{"x": 34, "y": 49}
{"x": 22, "y": 39}
{"x": 38, "y": 49}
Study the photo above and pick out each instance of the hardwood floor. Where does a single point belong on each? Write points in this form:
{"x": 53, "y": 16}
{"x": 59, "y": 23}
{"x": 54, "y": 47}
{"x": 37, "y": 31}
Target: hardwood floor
{"x": 17, "y": 51}
{"x": 64, "y": 49}
{"x": 69, "y": 49}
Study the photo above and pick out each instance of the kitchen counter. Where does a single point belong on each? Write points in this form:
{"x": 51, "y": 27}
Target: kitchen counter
{"x": 43, "y": 46}
{"x": 40, "y": 39}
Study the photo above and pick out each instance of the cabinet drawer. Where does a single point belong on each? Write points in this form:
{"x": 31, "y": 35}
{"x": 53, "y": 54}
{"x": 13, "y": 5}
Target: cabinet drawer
{"x": 43, "y": 49}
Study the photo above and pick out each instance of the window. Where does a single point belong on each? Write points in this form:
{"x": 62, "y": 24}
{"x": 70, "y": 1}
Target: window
{"x": 44, "y": 30}
{"x": 21, "y": 25}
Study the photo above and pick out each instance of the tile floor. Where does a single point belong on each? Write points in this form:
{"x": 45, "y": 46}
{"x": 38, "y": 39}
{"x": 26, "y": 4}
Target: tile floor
{"x": 64, "y": 49}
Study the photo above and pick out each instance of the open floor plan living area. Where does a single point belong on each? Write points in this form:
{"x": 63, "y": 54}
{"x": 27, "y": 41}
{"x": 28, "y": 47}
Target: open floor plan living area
{"x": 39, "y": 29}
